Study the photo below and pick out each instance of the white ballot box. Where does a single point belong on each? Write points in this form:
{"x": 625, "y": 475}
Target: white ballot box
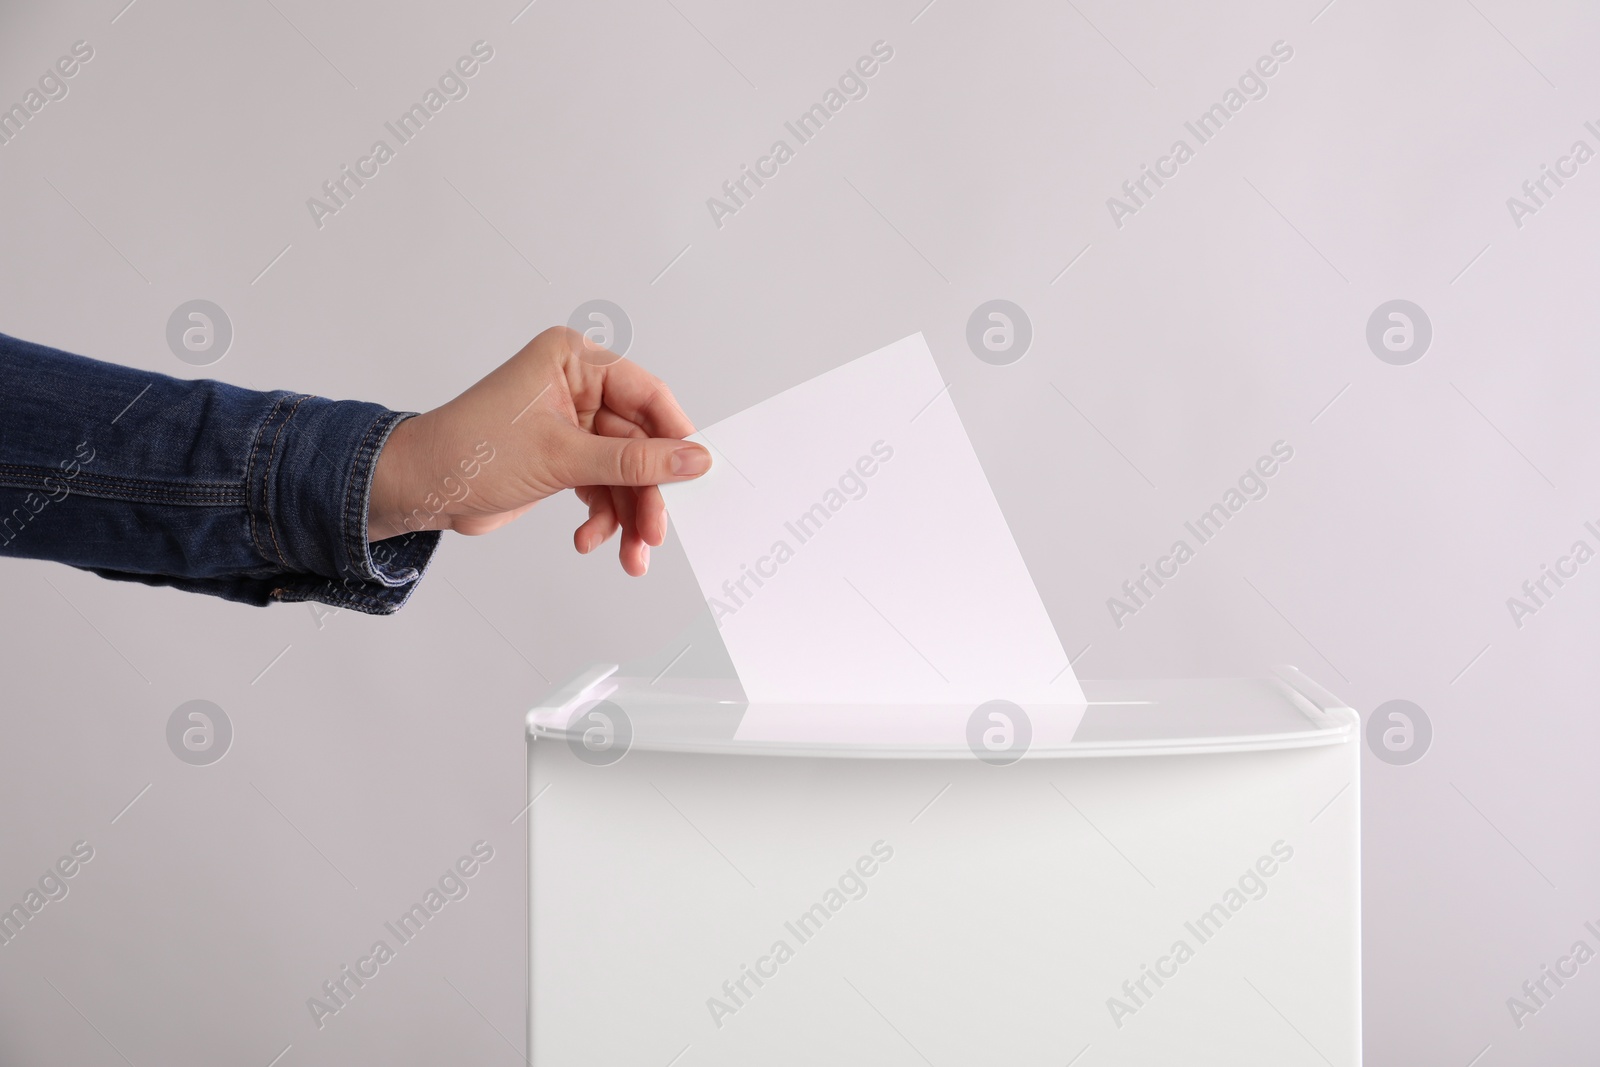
{"x": 1171, "y": 878}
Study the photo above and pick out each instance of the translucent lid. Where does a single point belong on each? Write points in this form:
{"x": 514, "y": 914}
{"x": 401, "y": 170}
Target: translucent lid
{"x": 605, "y": 707}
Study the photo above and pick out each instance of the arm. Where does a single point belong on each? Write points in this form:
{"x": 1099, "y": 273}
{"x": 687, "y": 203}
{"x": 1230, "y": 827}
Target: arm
{"x": 279, "y": 496}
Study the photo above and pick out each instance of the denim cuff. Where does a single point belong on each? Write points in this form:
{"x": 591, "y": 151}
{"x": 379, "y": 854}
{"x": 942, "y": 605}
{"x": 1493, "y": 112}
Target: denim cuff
{"x": 309, "y": 485}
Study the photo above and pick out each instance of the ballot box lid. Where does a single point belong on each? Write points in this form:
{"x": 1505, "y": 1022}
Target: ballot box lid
{"x": 605, "y": 708}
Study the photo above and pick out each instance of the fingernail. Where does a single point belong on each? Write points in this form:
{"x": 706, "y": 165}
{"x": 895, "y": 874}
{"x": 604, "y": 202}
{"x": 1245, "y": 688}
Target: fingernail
{"x": 688, "y": 462}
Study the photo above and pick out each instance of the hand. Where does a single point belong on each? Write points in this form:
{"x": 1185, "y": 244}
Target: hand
{"x": 562, "y": 413}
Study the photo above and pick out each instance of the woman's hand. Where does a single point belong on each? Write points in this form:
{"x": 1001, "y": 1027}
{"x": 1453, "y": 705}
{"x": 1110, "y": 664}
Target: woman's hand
{"x": 560, "y": 414}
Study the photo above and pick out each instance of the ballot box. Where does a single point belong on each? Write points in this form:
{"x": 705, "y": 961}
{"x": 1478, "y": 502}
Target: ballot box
{"x": 1173, "y": 879}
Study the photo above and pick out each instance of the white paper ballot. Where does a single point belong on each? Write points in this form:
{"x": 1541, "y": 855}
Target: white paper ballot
{"x": 852, "y": 552}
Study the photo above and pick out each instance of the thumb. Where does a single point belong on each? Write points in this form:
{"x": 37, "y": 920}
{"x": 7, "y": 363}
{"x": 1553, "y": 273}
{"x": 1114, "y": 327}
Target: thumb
{"x": 591, "y": 459}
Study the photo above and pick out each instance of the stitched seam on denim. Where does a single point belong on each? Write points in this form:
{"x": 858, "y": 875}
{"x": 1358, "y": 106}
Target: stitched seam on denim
{"x": 351, "y": 520}
{"x": 116, "y": 490}
{"x": 397, "y": 575}
{"x": 144, "y": 498}
{"x": 113, "y": 485}
{"x": 353, "y": 549}
{"x": 385, "y": 600}
{"x": 266, "y": 478}
{"x": 30, "y": 475}
{"x": 390, "y": 578}
{"x": 255, "y": 450}
{"x": 337, "y": 596}
{"x": 229, "y": 498}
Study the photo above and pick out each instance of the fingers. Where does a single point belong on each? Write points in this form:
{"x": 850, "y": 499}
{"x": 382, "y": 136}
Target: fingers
{"x": 607, "y": 507}
{"x": 601, "y": 378}
{"x": 627, "y": 442}
{"x": 633, "y": 552}
{"x": 642, "y": 398}
{"x": 651, "y": 515}
{"x": 608, "y": 423}
{"x": 602, "y": 520}
{"x": 583, "y": 458}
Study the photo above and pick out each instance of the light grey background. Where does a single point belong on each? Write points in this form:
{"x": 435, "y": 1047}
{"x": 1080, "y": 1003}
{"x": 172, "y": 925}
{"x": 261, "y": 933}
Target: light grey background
{"x": 1228, "y": 314}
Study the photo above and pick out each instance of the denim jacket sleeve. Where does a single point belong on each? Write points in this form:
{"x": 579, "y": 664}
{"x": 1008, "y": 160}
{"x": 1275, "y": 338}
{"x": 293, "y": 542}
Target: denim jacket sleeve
{"x": 252, "y": 496}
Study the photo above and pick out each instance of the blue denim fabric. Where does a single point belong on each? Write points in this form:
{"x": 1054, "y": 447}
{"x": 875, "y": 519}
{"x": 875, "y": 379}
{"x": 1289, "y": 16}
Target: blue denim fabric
{"x": 256, "y": 497}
